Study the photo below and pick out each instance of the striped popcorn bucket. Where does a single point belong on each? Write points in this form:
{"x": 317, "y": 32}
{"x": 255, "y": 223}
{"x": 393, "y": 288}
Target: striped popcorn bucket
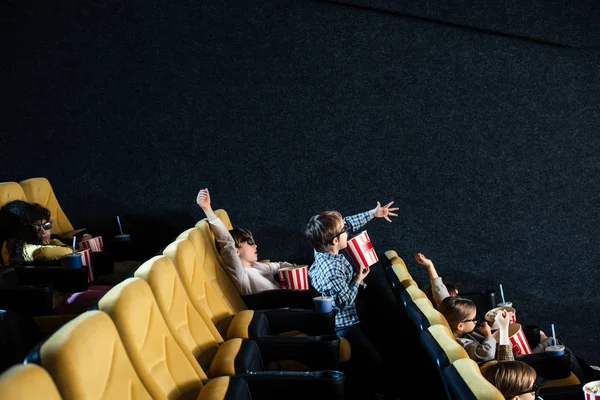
{"x": 591, "y": 390}
{"x": 86, "y": 261}
{"x": 517, "y": 338}
{"x": 95, "y": 244}
{"x": 294, "y": 277}
{"x": 361, "y": 251}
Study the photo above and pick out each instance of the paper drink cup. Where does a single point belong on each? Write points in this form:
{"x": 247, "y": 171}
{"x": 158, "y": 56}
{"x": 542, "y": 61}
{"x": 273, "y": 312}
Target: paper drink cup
{"x": 96, "y": 244}
{"x": 591, "y": 390}
{"x": 361, "y": 251}
{"x": 557, "y": 350}
{"x": 86, "y": 261}
{"x": 323, "y": 304}
{"x": 294, "y": 277}
{"x": 517, "y": 338}
{"x": 72, "y": 260}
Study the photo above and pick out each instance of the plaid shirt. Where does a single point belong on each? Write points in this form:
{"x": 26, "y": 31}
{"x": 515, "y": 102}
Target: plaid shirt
{"x": 331, "y": 275}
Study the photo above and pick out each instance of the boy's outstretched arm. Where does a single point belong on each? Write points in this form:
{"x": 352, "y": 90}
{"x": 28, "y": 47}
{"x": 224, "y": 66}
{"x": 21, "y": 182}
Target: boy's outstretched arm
{"x": 203, "y": 200}
{"x": 386, "y": 211}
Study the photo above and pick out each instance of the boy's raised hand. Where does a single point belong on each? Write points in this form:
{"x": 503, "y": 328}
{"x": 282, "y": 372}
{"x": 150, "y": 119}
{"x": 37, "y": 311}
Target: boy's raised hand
{"x": 385, "y": 211}
{"x": 203, "y": 198}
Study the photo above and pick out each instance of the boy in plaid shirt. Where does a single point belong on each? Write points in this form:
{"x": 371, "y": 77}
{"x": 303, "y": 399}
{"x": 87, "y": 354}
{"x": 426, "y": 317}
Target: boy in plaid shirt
{"x": 332, "y": 275}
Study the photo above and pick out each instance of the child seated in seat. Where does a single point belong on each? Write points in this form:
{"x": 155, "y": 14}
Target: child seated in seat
{"x": 477, "y": 339}
{"x": 239, "y": 253}
{"x": 27, "y": 230}
{"x": 514, "y": 379}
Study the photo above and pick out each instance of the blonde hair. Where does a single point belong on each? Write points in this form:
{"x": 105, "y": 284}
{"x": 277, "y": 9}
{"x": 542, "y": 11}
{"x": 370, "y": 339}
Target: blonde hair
{"x": 322, "y": 229}
{"x": 510, "y": 377}
{"x": 456, "y": 310}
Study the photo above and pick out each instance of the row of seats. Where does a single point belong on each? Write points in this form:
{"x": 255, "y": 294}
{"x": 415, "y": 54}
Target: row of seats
{"x": 456, "y": 375}
{"x": 176, "y": 330}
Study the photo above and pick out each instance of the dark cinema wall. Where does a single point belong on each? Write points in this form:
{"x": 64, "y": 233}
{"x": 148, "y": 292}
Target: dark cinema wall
{"x": 488, "y": 142}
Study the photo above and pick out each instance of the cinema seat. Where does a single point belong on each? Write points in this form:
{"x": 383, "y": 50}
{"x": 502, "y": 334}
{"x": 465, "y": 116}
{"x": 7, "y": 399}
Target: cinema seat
{"x": 442, "y": 349}
{"x": 191, "y": 329}
{"x": 207, "y": 296}
{"x": 39, "y": 190}
{"x": 422, "y": 314}
{"x": 465, "y": 382}
{"x": 27, "y": 381}
{"x": 87, "y": 361}
{"x": 205, "y": 245}
{"x": 167, "y": 367}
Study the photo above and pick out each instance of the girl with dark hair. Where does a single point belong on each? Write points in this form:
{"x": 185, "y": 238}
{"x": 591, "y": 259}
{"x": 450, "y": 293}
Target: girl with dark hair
{"x": 26, "y": 230}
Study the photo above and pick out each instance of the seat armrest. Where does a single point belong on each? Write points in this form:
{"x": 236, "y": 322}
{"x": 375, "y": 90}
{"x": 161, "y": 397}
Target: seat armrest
{"x": 28, "y": 299}
{"x": 276, "y": 385}
{"x": 307, "y": 321}
{"x": 316, "y": 352}
{"x": 280, "y": 298}
{"x": 69, "y": 280}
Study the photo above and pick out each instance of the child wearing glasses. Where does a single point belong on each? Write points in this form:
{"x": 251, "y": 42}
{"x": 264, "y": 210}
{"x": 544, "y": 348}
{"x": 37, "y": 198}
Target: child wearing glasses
{"x": 239, "y": 253}
{"x": 514, "y": 379}
{"x": 477, "y": 338}
{"x": 27, "y": 230}
{"x": 331, "y": 274}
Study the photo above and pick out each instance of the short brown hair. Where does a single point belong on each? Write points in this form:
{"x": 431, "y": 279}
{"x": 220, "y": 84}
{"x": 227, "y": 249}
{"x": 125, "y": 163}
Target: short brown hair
{"x": 322, "y": 228}
{"x": 456, "y": 309}
{"x": 240, "y": 236}
{"x": 510, "y": 377}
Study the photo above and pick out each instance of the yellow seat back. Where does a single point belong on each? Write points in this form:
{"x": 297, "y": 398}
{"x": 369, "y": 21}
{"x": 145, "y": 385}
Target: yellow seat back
{"x": 27, "y": 381}
{"x": 465, "y": 380}
{"x": 196, "y": 332}
{"x": 10, "y": 191}
{"x": 87, "y": 361}
{"x": 433, "y": 316}
{"x": 165, "y": 368}
{"x": 203, "y": 294}
{"x": 447, "y": 343}
{"x": 223, "y": 216}
{"x": 210, "y": 262}
{"x": 39, "y": 190}
{"x": 415, "y": 293}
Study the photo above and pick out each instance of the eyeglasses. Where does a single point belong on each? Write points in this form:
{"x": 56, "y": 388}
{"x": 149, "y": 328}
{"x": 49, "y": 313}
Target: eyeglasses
{"x": 535, "y": 389}
{"x": 45, "y": 226}
{"x": 250, "y": 242}
{"x": 347, "y": 228}
{"x": 476, "y": 320}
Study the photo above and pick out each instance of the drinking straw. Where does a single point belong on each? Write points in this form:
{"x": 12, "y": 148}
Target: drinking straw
{"x": 553, "y": 335}
{"x": 119, "y": 222}
{"x": 74, "y": 239}
{"x": 502, "y": 293}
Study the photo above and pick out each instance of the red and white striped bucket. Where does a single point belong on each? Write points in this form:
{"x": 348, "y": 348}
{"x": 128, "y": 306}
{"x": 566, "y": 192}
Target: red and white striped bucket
{"x": 294, "y": 277}
{"x": 361, "y": 250}
{"x": 95, "y": 244}
{"x": 517, "y": 338}
{"x": 86, "y": 261}
{"x": 592, "y": 390}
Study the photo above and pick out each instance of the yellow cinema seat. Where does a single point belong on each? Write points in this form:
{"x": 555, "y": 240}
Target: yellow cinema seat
{"x": 27, "y": 381}
{"x": 39, "y": 190}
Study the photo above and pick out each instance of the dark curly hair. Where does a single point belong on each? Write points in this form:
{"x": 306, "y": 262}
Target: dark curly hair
{"x": 16, "y": 227}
